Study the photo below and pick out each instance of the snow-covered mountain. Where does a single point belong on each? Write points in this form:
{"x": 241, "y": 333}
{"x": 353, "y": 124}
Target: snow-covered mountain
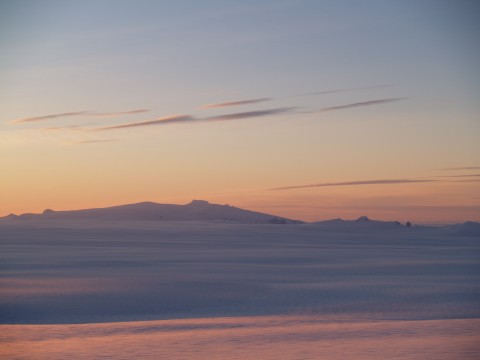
{"x": 363, "y": 222}
{"x": 195, "y": 210}
{"x": 201, "y": 210}
{"x": 469, "y": 228}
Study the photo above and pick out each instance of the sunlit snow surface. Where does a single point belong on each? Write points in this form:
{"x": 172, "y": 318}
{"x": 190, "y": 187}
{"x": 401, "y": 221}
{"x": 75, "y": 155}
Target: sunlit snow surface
{"x": 277, "y": 337}
{"x": 178, "y": 290}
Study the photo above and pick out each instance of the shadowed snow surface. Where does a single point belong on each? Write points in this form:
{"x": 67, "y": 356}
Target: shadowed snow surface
{"x": 193, "y": 290}
{"x": 89, "y": 271}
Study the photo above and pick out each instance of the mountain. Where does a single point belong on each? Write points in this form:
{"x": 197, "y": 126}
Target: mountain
{"x": 363, "y": 222}
{"x": 195, "y": 210}
{"x": 469, "y": 228}
{"x": 201, "y": 210}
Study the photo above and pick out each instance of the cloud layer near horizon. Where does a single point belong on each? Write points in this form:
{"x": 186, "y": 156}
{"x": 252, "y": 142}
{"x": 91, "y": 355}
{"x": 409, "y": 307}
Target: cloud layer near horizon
{"x": 460, "y": 176}
{"x": 235, "y": 103}
{"x": 365, "y": 182}
{"x": 462, "y": 168}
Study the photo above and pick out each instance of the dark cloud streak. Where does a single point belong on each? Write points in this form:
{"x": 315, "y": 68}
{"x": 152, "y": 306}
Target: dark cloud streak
{"x": 359, "y": 104}
{"x": 130, "y": 112}
{"x": 160, "y": 121}
{"x": 460, "y": 176}
{"x": 235, "y": 103}
{"x": 464, "y": 181}
{"x": 48, "y": 117}
{"x": 461, "y": 168}
{"x": 81, "y": 142}
{"x": 176, "y": 119}
{"x": 63, "y": 128}
{"x": 352, "y": 183}
{"x": 346, "y": 90}
{"x": 77, "y": 113}
{"x": 249, "y": 114}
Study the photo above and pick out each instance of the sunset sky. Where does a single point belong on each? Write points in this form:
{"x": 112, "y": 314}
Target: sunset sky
{"x": 305, "y": 109}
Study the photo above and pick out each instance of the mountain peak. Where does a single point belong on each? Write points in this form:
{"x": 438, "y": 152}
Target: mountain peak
{"x": 363, "y": 219}
{"x": 198, "y": 202}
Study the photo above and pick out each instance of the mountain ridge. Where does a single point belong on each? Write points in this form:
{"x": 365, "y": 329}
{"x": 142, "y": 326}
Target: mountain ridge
{"x": 196, "y": 210}
{"x": 202, "y": 210}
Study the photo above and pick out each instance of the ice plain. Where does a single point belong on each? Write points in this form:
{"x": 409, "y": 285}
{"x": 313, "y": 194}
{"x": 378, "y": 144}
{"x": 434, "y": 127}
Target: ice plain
{"x": 192, "y": 290}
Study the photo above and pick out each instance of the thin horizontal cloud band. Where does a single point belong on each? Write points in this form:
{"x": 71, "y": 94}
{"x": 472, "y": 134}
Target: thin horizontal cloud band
{"x": 189, "y": 119}
{"x": 259, "y": 100}
{"x": 214, "y": 105}
{"x": 206, "y": 106}
{"x": 462, "y": 168}
{"x": 93, "y": 141}
{"x": 113, "y": 114}
{"x": 465, "y": 181}
{"x": 77, "y": 113}
{"x": 160, "y": 121}
{"x": 352, "y": 183}
{"x": 236, "y": 116}
{"x": 249, "y": 114}
{"x": 460, "y": 176}
{"x": 235, "y": 103}
{"x": 48, "y": 117}
{"x": 325, "y": 92}
{"x": 359, "y": 104}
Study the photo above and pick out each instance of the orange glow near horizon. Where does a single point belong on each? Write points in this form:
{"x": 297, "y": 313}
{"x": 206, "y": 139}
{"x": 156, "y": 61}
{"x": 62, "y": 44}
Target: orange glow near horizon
{"x": 240, "y": 162}
{"x": 422, "y": 202}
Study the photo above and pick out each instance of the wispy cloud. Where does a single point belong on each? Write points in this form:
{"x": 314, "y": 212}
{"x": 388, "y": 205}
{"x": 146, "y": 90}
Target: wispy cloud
{"x": 235, "y": 103}
{"x": 324, "y": 92}
{"x": 249, "y": 114}
{"x": 63, "y": 128}
{"x": 463, "y": 181}
{"x": 160, "y": 121}
{"x": 359, "y": 104}
{"x": 259, "y": 100}
{"x": 81, "y": 142}
{"x": 460, "y": 176}
{"x": 78, "y": 113}
{"x": 353, "y": 183}
{"x": 462, "y": 168}
{"x": 121, "y": 113}
{"x": 176, "y": 119}
{"x": 48, "y": 117}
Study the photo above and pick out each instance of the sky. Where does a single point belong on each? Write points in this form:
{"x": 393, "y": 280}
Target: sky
{"x": 306, "y": 109}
